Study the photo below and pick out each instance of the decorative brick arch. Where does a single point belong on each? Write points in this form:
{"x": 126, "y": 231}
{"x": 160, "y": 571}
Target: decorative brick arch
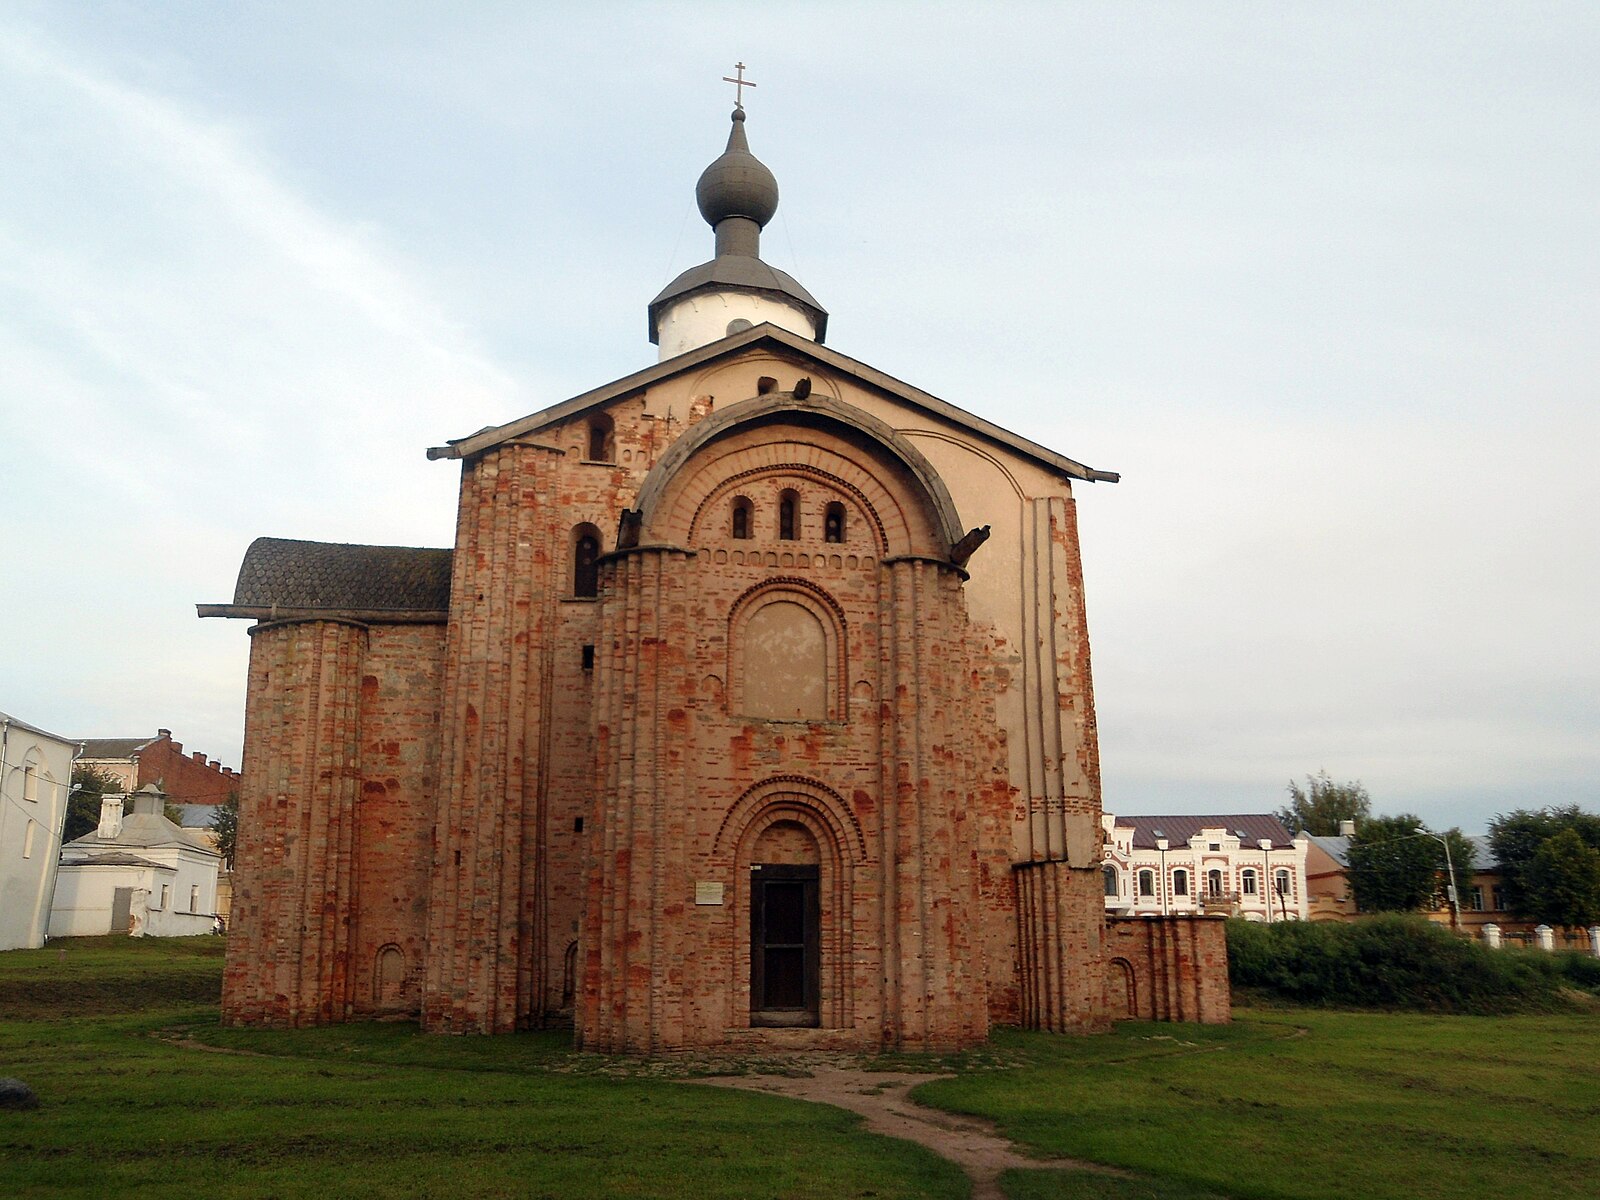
{"x": 1122, "y": 990}
{"x": 842, "y": 851}
{"x": 888, "y": 456}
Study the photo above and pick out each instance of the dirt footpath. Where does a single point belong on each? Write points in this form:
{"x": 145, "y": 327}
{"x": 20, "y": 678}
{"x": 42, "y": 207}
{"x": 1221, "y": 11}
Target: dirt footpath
{"x": 882, "y": 1098}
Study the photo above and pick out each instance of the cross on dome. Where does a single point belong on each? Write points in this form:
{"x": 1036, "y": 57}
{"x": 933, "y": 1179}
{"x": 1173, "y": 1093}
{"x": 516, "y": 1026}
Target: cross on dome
{"x": 739, "y": 84}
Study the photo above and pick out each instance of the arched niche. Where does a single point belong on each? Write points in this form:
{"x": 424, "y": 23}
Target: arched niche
{"x": 786, "y": 653}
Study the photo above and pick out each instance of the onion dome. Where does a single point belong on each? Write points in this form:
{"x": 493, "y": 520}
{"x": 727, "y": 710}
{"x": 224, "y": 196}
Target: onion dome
{"x": 738, "y": 184}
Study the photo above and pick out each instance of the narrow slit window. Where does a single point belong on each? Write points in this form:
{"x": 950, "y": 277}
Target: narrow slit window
{"x": 602, "y": 439}
{"x": 833, "y": 523}
{"x": 743, "y": 511}
{"x": 788, "y": 517}
{"x": 586, "y": 566}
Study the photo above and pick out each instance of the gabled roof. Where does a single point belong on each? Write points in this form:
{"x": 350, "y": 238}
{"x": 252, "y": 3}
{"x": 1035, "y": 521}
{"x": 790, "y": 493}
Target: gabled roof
{"x": 1179, "y": 829}
{"x": 8, "y": 719}
{"x": 792, "y": 344}
{"x": 114, "y": 747}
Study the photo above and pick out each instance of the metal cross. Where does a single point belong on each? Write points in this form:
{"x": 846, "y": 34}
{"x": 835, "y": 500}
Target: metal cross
{"x": 739, "y": 85}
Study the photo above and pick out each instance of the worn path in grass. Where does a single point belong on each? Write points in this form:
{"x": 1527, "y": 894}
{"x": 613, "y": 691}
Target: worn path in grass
{"x": 883, "y": 1099}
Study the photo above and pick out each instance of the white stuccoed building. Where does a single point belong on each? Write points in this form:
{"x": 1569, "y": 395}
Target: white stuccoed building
{"x": 137, "y": 873}
{"x": 35, "y": 782}
{"x": 1161, "y": 865}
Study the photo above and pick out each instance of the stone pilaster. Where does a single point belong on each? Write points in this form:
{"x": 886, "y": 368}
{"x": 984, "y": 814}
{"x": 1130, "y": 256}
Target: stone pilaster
{"x": 485, "y": 963}
{"x": 633, "y": 978}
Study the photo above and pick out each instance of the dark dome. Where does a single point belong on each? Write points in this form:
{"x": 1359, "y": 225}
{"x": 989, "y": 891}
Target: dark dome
{"x": 738, "y": 184}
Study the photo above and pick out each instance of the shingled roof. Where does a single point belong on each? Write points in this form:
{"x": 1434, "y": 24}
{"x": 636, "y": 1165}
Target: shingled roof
{"x": 120, "y": 747}
{"x": 279, "y": 573}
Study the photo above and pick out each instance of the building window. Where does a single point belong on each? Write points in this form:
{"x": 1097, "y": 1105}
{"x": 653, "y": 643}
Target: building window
{"x": 1147, "y": 883}
{"x": 588, "y": 658}
{"x": 30, "y": 783}
{"x": 602, "y": 439}
{"x": 743, "y": 517}
{"x": 586, "y": 562}
{"x": 194, "y": 897}
{"x": 1247, "y": 882}
{"x": 1477, "y": 898}
{"x": 1214, "y": 847}
{"x": 833, "y": 523}
{"x": 788, "y": 516}
{"x": 166, "y": 897}
{"x": 1180, "y": 882}
{"x": 1497, "y": 897}
{"x": 1214, "y": 882}
{"x": 1113, "y": 881}
{"x": 1283, "y": 882}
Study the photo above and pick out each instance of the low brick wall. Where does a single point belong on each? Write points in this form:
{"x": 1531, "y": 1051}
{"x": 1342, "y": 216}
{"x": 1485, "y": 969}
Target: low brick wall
{"x": 1168, "y": 969}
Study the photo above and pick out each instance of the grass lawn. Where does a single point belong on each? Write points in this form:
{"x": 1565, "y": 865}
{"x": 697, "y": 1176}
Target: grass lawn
{"x": 1283, "y": 1103}
{"x": 377, "y": 1110}
{"x": 1307, "y": 1104}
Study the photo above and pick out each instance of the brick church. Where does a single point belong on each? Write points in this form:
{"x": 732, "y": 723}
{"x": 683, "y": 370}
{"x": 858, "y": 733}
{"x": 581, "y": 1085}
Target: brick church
{"x": 751, "y": 708}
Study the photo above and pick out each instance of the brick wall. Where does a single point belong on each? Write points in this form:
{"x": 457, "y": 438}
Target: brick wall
{"x": 187, "y": 778}
{"x": 1171, "y": 968}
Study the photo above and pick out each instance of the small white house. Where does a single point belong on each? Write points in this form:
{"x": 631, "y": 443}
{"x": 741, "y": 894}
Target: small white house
{"x": 35, "y": 781}
{"x": 138, "y": 874}
{"x": 1245, "y": 865}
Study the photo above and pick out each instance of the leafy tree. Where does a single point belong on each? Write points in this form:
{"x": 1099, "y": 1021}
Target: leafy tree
{"x": 1322, "y": 804}
{"x": 89, "y": 784}
{"x": 1394, "y": 868}
{"x": 225, "y": 824}
{"x": 1516, "y": 838}
{"x": 1563, "y": 881}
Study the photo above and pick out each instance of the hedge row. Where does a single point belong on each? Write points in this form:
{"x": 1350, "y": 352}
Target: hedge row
{"x": 1399, "y": 963}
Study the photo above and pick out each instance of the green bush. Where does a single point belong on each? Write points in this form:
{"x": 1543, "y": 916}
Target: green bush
{"x": 1397, "y": 963}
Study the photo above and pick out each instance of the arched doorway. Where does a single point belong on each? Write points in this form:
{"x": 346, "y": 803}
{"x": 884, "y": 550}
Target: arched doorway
{"x": 785, "y": 927}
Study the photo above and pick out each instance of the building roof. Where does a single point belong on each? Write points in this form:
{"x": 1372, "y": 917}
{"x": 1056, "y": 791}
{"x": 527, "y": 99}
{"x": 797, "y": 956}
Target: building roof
{"x": 7, "y": 719}
{"x": 196, "y": 816}
{"x": 145, "y": 828}
{"x": 1336, "y": 848}
{"x": 1485, "y": 859}
{"x": 789, "y": 345}
{"x": 281, "y": 577}
{"x": 114, "y": 747}
{"x": 115, "y": 858}
{"x": 1252, "y": 827}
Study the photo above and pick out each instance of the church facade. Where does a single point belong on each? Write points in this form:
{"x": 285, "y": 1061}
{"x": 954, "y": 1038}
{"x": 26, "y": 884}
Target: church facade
{"x": 752, "y": 705}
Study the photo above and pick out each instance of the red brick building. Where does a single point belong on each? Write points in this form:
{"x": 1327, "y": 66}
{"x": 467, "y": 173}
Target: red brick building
{"x": 752, "y": 705}
{"x": 186, "y": 778}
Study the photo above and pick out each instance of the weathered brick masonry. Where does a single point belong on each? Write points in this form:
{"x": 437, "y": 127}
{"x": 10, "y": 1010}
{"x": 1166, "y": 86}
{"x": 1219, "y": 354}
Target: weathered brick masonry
{"x": 752, "y": 705}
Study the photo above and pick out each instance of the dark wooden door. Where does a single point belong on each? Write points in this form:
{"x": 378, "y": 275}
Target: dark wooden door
{"x": 784, "y": 945}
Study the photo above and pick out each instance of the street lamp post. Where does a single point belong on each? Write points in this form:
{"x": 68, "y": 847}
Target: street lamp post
{"x": 1450, "y": 873}
{"x": 1161, "y": 845}
{"x": 1266, "y": 874}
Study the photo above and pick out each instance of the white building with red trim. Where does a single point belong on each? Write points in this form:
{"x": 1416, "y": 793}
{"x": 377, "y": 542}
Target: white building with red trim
{"x": 1162, "y": 865}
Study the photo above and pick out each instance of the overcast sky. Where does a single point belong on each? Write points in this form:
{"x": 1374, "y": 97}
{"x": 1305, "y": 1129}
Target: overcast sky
{"x": 1321, "y": 281}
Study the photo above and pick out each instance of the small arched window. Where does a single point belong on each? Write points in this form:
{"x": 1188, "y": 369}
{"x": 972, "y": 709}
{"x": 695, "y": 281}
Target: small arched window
{"x": 788, "y": 516}
{"x": 833, "y": 523}
{"x": 586, "y": 562}
{"x": 1283, "y": 883}
{"x": 1180, "y": 882}
{"x": 602, "y": 439}
{"x": 1147, "y": 883}
{"x": 1214, "y": 882}
{"x": 743, "y": 517}
{"x": 1113, "y": 882}
{"x": 1247, "y": 881}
